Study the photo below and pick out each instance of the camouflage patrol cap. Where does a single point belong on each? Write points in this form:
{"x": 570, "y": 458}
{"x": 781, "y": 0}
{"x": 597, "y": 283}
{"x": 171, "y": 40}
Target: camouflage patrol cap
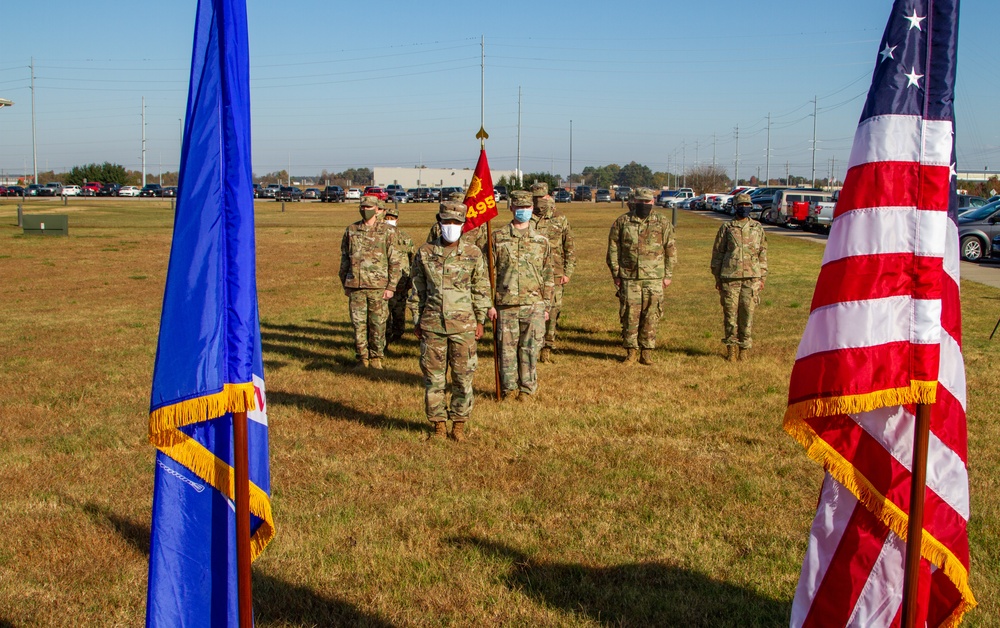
{"x": 642, "y": 195}
{"x": 391, "y": 211}
{"x": 539, "y": 188}
{"x": 545, "y": 203}
{"x": 520, "y": 198}
{"x": 369, "y": 201}
{"x": 457, "y": 196}
{"x": 742, "y": 199}
{"x": 452, "y": 210}
{"x": 382, "y": 204}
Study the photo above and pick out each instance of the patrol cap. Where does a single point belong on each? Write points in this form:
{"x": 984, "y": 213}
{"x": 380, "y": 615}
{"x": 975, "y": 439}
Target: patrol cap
{"x": 391, "y": 211}
{"x": 642, "y": 195}
{"x": 520, "y": 198}
{"x": 382, "y": 204}
{"x": 369, "y": 201}
{"x": 546, "y": 204}
{"x": 742, "y": 199}
{"x": 539, "y": 188}
{"x": 457, "y": 196}
{"x": 452, "y": 210}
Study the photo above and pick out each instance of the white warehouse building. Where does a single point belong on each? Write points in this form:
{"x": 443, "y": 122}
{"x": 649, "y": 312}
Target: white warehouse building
{"x": 432, "y": 177}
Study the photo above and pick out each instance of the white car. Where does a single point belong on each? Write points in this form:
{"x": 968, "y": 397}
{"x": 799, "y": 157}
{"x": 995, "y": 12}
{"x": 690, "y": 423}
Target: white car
{"x": 71, "y": 190}
{"x": 128, "y": 190}
{"x": 352, "y": 194}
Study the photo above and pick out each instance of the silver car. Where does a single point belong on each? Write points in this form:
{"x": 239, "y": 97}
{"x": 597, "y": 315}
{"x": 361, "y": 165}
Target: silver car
{"x": 976, "y": 230}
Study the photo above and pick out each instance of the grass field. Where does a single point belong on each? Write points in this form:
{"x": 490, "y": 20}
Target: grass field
{"x": 663, "y": 495}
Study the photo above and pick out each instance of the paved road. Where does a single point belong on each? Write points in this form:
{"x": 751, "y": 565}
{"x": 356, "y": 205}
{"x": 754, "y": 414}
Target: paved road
{"x": 985, "y": 272}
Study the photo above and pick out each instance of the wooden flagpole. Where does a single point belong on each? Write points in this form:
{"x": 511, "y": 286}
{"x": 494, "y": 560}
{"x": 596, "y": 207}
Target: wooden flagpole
{"x": 241, "y": 466}
{"x": 914, "y": 533}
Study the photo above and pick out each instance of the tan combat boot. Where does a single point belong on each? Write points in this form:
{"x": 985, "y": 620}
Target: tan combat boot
{"x": 630, "y": 356}
{"x": 362, "y": 364}
{"x": 646, "y": 356}
{"x": 377, "y": 364}
{"x": 744, "y": 355}
{"x": 510, "y": 395}
{"x": 440, "y": 430}
{"x": 546, "y": 355}
{"x": 458, "y": 431}
{"x": 733, "y": 352}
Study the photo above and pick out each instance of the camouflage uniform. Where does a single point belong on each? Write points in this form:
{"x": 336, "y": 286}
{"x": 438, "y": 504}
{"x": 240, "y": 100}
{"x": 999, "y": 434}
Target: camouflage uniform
{"x": 739, "y": 264}
{"x": 477, "y": 235}
{"x": 397, "y": 304}
{"x": 524, "y": 285}
{"x": 370, "y": 263}
{"x": 450, "y": 296}
{"x": 555, "y": 226}
{"x": 641, "y": 254}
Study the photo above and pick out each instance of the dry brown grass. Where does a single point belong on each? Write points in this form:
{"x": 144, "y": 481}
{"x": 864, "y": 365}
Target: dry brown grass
{"x": 652, "y": 495}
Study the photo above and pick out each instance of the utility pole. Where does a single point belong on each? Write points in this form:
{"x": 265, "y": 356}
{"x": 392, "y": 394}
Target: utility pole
{"x": 714, "y": 139}
{"x": 696, "y": 153}
{"x": 684, "y": 176}
{"x": 767, "y": 167}
{"x": 736, "y": 164}
{"x": 571, "y": 152}
{"x": 34, "y": 145}
{"x": 788, "y": 180}
{"x": 815, "y": 111}
{"x": 520, "y": 179}
{"x": 289, "y": 171}
{"x": 143, "y": 141}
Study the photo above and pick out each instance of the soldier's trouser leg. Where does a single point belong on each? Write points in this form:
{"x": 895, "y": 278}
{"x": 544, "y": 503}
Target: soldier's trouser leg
{"x": 434, "y": 366}
{"x": 509, "y": 331}
{"x": 630, "y": 306}
{"x": 531, "y": 327}
{"x": 358, "y": 304}
{"x": 554, "y": 309}
{"x": 378, "y": 316}
{"x": 463, "y": 360}
{"x": 729, "y": 296}
{"x": 749, "y": 299}
{"x": 651, "y": 311}
{"x": 397, "y": 312}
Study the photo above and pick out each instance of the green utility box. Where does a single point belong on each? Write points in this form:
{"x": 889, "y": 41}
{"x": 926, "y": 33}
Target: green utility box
{"x": 49, "y": 224}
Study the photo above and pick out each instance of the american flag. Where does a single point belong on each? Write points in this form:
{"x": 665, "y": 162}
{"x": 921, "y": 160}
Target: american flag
{"x": 885, "y": 333}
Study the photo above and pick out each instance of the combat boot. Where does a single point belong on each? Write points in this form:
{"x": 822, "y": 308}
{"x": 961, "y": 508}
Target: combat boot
{"x": 377, "y": 364}
{"x": 732, "y": 352}
{"x": 362, "y": 364}
{"x": 458, "y": 431}
{"x": 744, "y": 355}
{"x": 646, "y": 356}
{"x": 440, "y": 430}
{"x": 546, "y": 355}
{"x": 630, "y": 356}
{"x": 510, "y": 395}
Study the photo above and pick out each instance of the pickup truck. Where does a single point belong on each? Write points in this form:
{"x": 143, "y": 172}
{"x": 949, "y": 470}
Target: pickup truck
{"x": 820, "y": 215}
{"x": 332, "y": 194}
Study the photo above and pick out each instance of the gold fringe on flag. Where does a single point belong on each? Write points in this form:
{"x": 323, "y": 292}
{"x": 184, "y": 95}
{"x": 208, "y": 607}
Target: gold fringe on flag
{"x": 917, "y": 392}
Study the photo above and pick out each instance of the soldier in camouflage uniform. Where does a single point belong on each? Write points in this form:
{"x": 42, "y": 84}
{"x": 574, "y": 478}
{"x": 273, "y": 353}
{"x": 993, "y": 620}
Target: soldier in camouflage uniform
{"x": 449, "y": 301}
{"x": 397, "y": 304}
{"x": 539, "y": 190}
{"x": 370, "y": 268}
{"x": 476, "y": 236}
{"x": 641, "y": 256}
{"x": 554, "y": 226}
{"x": 739, "y": 264}
{"x": 524, "y": 285}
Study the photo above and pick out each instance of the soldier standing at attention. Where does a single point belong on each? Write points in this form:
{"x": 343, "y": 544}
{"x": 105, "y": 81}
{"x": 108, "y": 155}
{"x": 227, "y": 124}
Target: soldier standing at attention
{"x": 449, "y": 301}
{"x": 641, "y": 256}
{"x": 397, "y": 304}
{"x": 370, "y": 269}
{"x": 739, "y": 264}
{"x": 522, "y": 260}
{"x": 554, "y": 226}
{"x": 477, "y": 236}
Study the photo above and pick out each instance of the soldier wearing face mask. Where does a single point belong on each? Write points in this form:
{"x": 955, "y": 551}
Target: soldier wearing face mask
{"x": 554, "y": 226}
{"x": 477, "y": 235}
{"x": 449, "y": 300}
{"x": 641, "y": 257}
{"x": 370, "y": 269}
{"x": 739, "y": 264}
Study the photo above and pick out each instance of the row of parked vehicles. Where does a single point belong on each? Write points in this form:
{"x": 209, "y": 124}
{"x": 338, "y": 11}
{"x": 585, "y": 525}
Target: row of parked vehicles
{"x": 392, "y": 193}
{"x": 92, "y": 188}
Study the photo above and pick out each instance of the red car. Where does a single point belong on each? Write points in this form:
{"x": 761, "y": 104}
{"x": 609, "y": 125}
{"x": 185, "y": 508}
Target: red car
{"x": 93, "y": 186}
{"x": 377, "y": 192}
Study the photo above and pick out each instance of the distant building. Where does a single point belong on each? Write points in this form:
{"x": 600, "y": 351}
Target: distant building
{"x": 981, "y": 175}
{"x": 432, "y": 177}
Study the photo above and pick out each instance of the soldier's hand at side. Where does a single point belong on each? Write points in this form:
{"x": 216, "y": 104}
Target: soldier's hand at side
{"x": 618, "y": 282}
{"x": 563, "y": 280}
{"x": 479, "y": 331}
{"x": 418, "y": 333}
{"x": 492, "y": 314}
{"x": 718, "y": 285}
{"x": 387, "y": 294}
{"x": 667, "y": 282}
{"x": 546, "y": 315}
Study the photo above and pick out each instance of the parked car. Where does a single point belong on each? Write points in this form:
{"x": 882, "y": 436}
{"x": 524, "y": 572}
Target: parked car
{"x": 583, "y": 193}
{"x": 671, "y": 198}
{"x": 332, "y": 194}
{"x": 444, "y": 193}
{"x": 791, "y": 206}
{"x": 622, "y": 192}
{"x": 15, "y": 190}
{"x": 170, "y": 191}
{"x": 995, "y": 249}
{"x": 562, "y": 196}
{"x": 90, "y": 188}
{"x": 151, "y": 190}
{"x": 391, "y": 188}
{"x": 603, "y": 196}
{"x": 968, "y": 202}
{"x": 398, "y": 196}
{"x": 110, "y": 189}
{"x": 50, "y": 189}
{"x": 377, "y": 192}
{"x": 33, "y": 189}
{"x": 311, "y": 193}
{"x": 820, "y": 215}
{"x": 500, "y": 192}
{"x": 270, "y": 190}
{"x": 976, "y": 230}
{"x": 129, "y": 190}
{"x": 288, "y": 193}
{"x": 411, "y": 195}
{"x": 71, "y": 190}
{"x": 352, "y": 194}
{"x": 435, "y": 194}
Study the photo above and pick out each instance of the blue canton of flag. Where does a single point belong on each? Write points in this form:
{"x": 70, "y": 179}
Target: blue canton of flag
{"x": 208, "y": 361}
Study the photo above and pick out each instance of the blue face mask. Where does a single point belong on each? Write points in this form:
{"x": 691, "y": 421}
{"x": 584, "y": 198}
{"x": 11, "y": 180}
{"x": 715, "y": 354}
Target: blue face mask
{"x": 522, "y": 215}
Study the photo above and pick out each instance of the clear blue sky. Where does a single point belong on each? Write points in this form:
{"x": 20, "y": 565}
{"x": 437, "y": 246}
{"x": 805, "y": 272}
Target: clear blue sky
{"x": 339, "y": 85}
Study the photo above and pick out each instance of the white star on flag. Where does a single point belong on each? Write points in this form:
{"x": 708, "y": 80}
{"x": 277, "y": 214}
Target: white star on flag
{"x": 913, "y": 78}
{"x": 914, "y": 20}
{"x": 953, "y": 170}
{"x": 887, "y": 52}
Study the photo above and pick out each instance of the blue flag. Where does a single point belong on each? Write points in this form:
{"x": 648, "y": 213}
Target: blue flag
{"x": 208, "y": 361}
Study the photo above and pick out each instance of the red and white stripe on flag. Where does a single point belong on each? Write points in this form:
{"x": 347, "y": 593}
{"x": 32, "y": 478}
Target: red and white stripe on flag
{"x": 884, "y": 334}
